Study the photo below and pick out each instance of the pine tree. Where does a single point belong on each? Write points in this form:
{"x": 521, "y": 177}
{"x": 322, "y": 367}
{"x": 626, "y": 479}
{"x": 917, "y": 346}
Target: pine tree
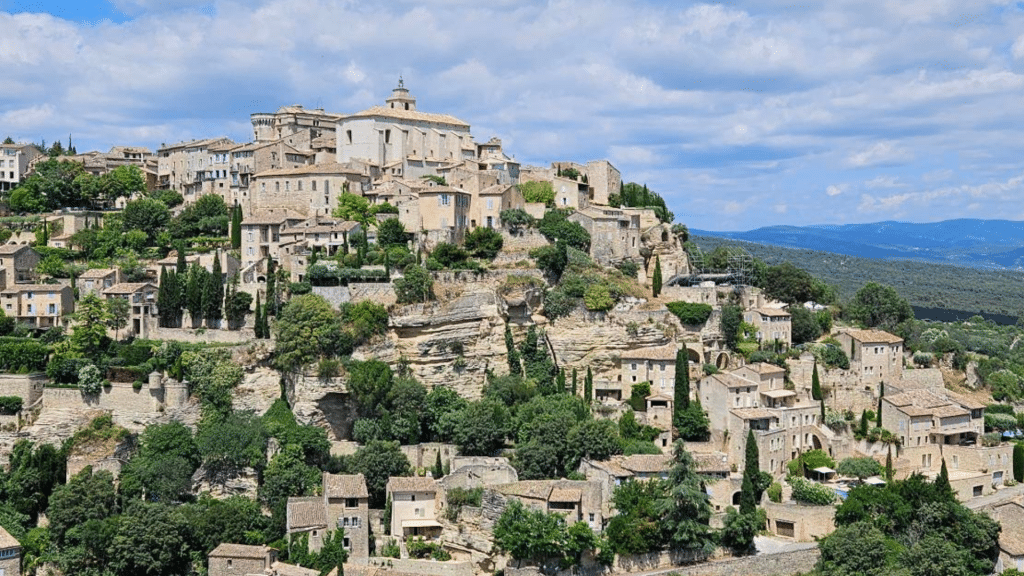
{"x": 888, "y": 465}
{"x": 236, "y": 227}
{"x": 815, "y": 383}
{"x": 574, "y": 392}
{"x": 515, "y": 367}
{"x": 656, "y": 279}
{"x": 588, "y": 386}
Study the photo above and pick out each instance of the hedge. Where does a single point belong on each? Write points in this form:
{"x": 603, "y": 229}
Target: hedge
{"x": 10, "y": 405}
{"x": 318, "y": 275}
{"x": 690, "y": 313}
{"x": 23, "y": 356}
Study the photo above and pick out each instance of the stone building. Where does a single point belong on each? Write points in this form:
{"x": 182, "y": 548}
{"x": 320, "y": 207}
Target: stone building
{"x": 295, "y": 122}
{"x": 10, "y": 554}
{"x": 876, "y": 356}
{"x": 1010, "y": 516}
{"x": 656, "y": 365}
{"x": 306, "y": 190}
{"x": 187, "y": 166}
{"x": 441, "y": 210}
{"x": 773, "y": 325}
{"x": 14, "y": 163}
{"x": 240, "y": 560}
{"x": 344, "y": 504}
{"x": 95, "y": 280}
{"x": 603, "y": 179}
{"x": 17, "y": 264}
{"x": 577, "y": 500}
{"x": 261, "y": 235}
{"x": 487, "y": 207}
{"x": 402, "y": 140}
{"x": 611, "y": 473}
{"x": 142, "y": 298}
{"x": 413, "y": 507}
{"x": 40, "y": 305}
{"x": 614, "y": 235}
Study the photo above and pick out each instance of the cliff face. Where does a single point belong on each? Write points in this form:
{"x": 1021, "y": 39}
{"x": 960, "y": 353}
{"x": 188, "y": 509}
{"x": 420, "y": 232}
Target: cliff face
{"x": 658, "y": 242}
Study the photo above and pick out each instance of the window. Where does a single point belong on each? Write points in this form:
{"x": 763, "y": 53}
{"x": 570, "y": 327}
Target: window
{"x": 30, "y": 309}
{"x": 351, "y": 503}
{"x": 313, "y": 184}
{"x": 28, "y": 295}
{"x": 52, "y": 309}
{"x": 490, "y": 203}
{"x": 229, "y": 562}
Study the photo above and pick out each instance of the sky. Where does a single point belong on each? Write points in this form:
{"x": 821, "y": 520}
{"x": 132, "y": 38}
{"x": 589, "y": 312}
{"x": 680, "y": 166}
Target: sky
{"x": 741, "y": 114}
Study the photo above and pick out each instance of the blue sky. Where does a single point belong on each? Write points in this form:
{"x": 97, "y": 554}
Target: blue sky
{"x": 742, "y": 114}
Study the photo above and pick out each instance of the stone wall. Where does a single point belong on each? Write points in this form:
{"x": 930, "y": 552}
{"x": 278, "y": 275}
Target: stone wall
{"x": 246, "y": 334}
{"x": 918, "y": 378}
{"x": 808, "y": 522}
{"x": 121, "y": 399}
{"x": 28, "y": 387}
{"x": 782, "y": 564}
{"x": 425, "y": 455}
{"x": 417, "y": 567}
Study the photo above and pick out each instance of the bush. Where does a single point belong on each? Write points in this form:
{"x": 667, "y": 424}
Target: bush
{"x": 808, "y": 492}
{"x": 628, "y": 268}
{"x": 557, "y": 303}
{"x": 833, "y": 356}
{"x": 416, "y": 286}
{"x": 22, "y": 355}
{"x": 298, "y": 288}
{"x": 775, "y": 492}
{"x": 10, "y": 405}
{"x": 516, "y": 218}
{"x": 328, "y": 368}
{"x": 484, "y": 243}
{"x": 690, "y": 313}
{"x": 598, "y": 299}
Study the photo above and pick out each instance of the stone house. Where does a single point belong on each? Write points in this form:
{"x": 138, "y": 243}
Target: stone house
{"x": 142, "y": 297}
{"x": 240, "y": 560}
{"x": 247, "y": 160}
{"x": 443, "y": 210}
{"x": 491, "y": 201}
{"x": 799, "y": 522}
{"x": 876, "y": 356}
{"x": 17, "y": 264}
{"x": 399, "y": 138}
{"x": 773, "y": 325}
{"x": 413, "y": 507}
{"x": 656, "y": 365}
{"x": 14, "y": 163}
{"x": 608, "y": 474}
{"x": 306, "y": 190}
{"x": 40, "y": 305}
{"x": 614, "y": 235}
{"x": 570, "y": 193}
{"x": 344, "y": 504}
{"x": 10, "y": 554}
{"x": 577, "y": 500}
{"x": 292, "y": 121}
{"x": 1011, "y": 539}
{"x": 186, "y": 166}
{"x": 261, "y": 235}
{"x": 96, "y": 280}
{"x": 470, "y": 472}
{"x": 658, "y": 414}
{"x": 604, "y": 180}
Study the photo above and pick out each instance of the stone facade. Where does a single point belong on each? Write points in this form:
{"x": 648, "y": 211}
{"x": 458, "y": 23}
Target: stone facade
{"x": 773, "y": 325}
{"x": 800, "y": 522}
{"x": 14, "y": 162}
{"x": 41, "y": 305}
{"x": 577, "y": 500}
{"x": 614, "y": 235}
{"x": 186, "y": 167}
{"x": 10, "y": 554}
{"x": 306, "y": 190}
{"x": 240, "y": 560}
{"x": 875, "y": 356}
{"x": 17, "y": 265}
{"x": 413, "y": 507}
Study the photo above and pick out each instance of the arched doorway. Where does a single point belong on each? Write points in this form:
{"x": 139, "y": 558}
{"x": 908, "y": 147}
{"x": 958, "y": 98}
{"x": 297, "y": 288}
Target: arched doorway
{"x": 722, "y": 361}
{"x": 736, "y": 498}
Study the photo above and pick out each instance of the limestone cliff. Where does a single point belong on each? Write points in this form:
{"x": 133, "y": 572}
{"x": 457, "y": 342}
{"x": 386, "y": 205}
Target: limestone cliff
{"x": 658, "y": 242}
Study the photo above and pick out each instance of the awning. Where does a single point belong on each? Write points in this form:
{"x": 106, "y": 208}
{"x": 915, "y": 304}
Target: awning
{"x": 824, "y": 470}
{"x": 874, "y": 481}
{"x": 778, "y": 393}
{"x": 420, "y": 524}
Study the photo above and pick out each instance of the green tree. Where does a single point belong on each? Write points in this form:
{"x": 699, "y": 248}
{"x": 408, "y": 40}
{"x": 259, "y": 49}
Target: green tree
{"x": 118, "y": 311}
{"x": 752, "y": 475}
{"x": 860, "y": 468}
{"x": 236, "y": 306}
{"x": 287, "y": 475}
{"x": 692, "y": 424}
{"x": 588, "y": 386}
{"x": 391, "y": 232}
{"x": 149, "y": 540}
{"x": 236, "y": 227}
{"x": 416, "y": 285}
{"x": 863, "y": 430}
{"x": 815, "y": 384}
{"x": 656, "y": 278}
{"x": 230, "y": 443}
{"x": 355, "y": 208}
{"x": 877, "y": 305}
{"x": 1018, "y": 462}
{"x": 538, "y": 192}
{"x": 87, "y": 496}
{"x": 89, "y": 334}
{"x": 484, "y": 243}
{"x": 307, "y": 329}
{"x": 682, "y": 383}
{"x": 859, "y": 548}
{"x": 163, "y": 467}
{"x": 527, "y": 534}
{"x": 122, "y": 182}
{"x": 574, "y": 377}
{"x": 147, "y": 215}
{"x": 194, "y": 288}
{"x": 213, "y": 294}
{"x": 732, "y": 319}
{"x": 686, "y": 507}
{"x": 378, "y": 461}
{"x": 512, "y": 353}
{"x": 805, "y": 326}
{"x": 483, "y": 428}
{"x": 258, "y": 328}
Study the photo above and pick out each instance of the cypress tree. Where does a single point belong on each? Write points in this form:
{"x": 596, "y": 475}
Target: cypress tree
{"x": 515, "y": 367}
{"x": 194, "y": 291}
{"x": 1018, "y": 462}
{"x": 863, "y": 423}
{"x": 574, "y": 392}
{"x": 822, "y": 411}
{"x": 161, "y": 297}
{"x": 560, "y": 382}
{"x": 213, "y": 293}
{"x": 888, "y": 465}
{"x": 588, "y": 386}
{"x": 815, "y": 383}
{"x": 878, "y": 416}
{"x": 271, "y": 288}
{"x": 942, "y": 482}
{"x": 236, "y": 227}
{"x": 682, "y": 380}
{"x": 751, "y": 467}
{"x": 438, "y": 471}
{"x": 656, "y": 279}
{"x": 257, "y": 320}
{"x": 181, "y": 266}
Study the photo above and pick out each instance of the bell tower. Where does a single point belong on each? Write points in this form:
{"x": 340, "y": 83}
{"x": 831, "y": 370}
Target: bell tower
{"x": 400, "y": 98}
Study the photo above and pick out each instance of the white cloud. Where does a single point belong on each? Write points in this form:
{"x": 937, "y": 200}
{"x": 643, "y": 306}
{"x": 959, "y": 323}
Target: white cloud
{"x": 1018, "y": 48}
{"x": 833, "y": 190}
{"x": 883, "y": 182}
{"x": 643, "y": 155}
{"x": 780, "y": 208}
{"x": 880, "y": 154}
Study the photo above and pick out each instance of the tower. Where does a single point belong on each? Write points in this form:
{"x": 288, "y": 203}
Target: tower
{"x": 400, "y": 98}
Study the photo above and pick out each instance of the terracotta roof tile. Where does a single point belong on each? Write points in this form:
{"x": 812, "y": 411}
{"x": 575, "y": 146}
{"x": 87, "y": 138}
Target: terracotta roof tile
{"x": 240, "y": 551}
{"x": 411, "y": 484}
{"x": 307, "y": 512}
{"x": 345, "y": 486}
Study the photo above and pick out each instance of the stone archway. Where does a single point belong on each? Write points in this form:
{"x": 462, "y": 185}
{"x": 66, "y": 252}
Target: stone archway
{"x": 694, "y": 356}
{"x": 736, "y": 497}
{"x": 815, "y": 441}
{"x": 722, "y": 360}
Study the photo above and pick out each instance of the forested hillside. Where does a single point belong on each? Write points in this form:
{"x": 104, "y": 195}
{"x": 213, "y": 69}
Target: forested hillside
{"x": 929, "y": 285}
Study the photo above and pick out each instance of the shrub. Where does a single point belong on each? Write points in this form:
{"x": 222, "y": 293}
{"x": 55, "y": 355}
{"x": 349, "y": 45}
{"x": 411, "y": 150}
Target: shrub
{"x": 297, "y": 288}
{"x": 808, "y": 492}
{"x": 516, "y": 218}
{"x": 328, "y": 368}
{"x": 1000, "y": 422}
{"x": 10, "y": 405}
{"x": 690, "y": 313}
{"x": 391, "y": 549}
{"x": 924, "y": 359}
{"x": 775, "y": 492}
{"x": 628, "y": 268}
{"x": 416, "y": 286}
{"x": 484, "y": 243}
{"x": 90, "y": 380}
{"x": 557, "y": 303}
{"x": 597, "y": 298}
{"x": 833, "y": 356}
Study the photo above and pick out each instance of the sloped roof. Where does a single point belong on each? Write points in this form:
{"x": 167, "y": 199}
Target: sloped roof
{"x": 411, "y": 484}
{"x": 644, "y": 463}
{"x": 765, "y": 368}
{"x": 1011, "y": 539}
{"x": 240, "y": 551}
{"x": 666, "y": 352}
{"x": 345, "y": 486}
{"x": 307, "y": 512}
{"x": 414, "y": 115}
{"x": 752, "y": 413}
{"x": 97, "y": 273}
{"x": 6, "y": 540}
{"x": 282, "y": 569}
{"x": 776, "y": 312}
{"x": 128, "y": 287}
{"x": 711, "y": 462}
{"x": 565, "y": 495}
{"x": 7, "y": 249}
{"x": 874, "y": 336}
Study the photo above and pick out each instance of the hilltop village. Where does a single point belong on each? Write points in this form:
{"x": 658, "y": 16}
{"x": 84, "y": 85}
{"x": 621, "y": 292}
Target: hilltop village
{"x": 369, "y": 343}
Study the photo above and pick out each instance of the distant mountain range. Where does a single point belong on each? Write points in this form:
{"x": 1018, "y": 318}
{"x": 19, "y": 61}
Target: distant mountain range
{"x": 986, "y": 244}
